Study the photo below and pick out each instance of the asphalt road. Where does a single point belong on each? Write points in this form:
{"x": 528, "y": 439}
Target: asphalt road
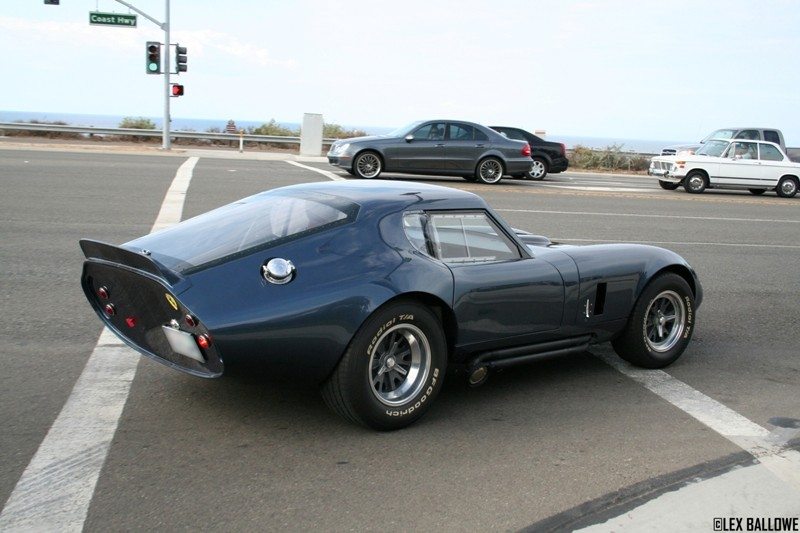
{"x": 250, "y": 451}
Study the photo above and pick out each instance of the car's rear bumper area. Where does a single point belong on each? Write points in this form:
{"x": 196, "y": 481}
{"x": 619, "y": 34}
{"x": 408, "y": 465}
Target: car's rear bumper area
{"x": 559, "y": 164}
{"x": 137, "y": 307}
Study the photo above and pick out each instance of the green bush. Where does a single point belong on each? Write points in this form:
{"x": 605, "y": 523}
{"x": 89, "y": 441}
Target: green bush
{"x": 48, "y": 134}
{"x": 335, "y": 131}
{"x": 273, "y": 128}
{"x": 140, "y": 123}
{"x": 611, "y": 158}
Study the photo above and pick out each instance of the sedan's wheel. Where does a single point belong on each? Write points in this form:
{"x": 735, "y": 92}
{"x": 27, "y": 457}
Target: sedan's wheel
{"x": 668, "y": 185}
{"x": 538, "y": 170}
{"x": 660, "y": 324}
{"x": 367, "y": 165}
{"x": 787, "y": 187}
{"x": 695, "y": 182}
{"x": 490, "y": 170}
{"x": 757, "y": 192}
{"x": 392, "y": 370}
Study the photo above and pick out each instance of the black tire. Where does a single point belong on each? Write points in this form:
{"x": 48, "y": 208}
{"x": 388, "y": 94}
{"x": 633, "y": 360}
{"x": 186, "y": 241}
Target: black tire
{"x": 668, "y": 185}
{"x": 695, "y": 182}
{"x": 538, "y": 170}
{"x": 350, "y": 171}
{"x": 367, "y": 165}
{"x": 757, "y": 192}
{"x": 651, "y": 339}
{"x": 489, "y": 170}
{"x": 787, "y": 187}
{"x": 368, "y": 386}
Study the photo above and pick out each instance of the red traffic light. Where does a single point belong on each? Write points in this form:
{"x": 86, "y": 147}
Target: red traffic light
{"x": 177, "y": 89}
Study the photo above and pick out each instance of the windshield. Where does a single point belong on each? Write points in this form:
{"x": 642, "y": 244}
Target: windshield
{"x": 720, "y": 134}
{"x": 405, "y": 130}
{"x": 240, "y": 228}
{"x": 712, "y": 148}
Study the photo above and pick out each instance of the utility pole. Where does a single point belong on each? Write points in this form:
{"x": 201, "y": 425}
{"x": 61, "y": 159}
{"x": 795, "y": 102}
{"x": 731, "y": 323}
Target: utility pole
{"x": 165, "y": 138}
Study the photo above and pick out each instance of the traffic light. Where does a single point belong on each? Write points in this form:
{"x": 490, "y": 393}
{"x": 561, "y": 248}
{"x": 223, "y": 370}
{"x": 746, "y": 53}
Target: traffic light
{"x": 177, "y": 89}
{"x": 153, "y": 50}
{"x": 180, "y": 58}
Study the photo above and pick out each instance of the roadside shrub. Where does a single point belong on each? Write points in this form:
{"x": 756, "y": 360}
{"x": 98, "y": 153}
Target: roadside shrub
{"x": 140, "y": 123}
{"x": 609, "y": 159}
{"x": 47, "y": 134}
{"x": 335, "y": 131}
{"x": 273, "y": 128}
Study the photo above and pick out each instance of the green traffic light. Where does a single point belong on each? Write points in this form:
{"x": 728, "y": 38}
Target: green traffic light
{"x": 152, "y": 67}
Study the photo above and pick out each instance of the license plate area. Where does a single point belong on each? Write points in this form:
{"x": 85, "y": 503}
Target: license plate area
{"x": 183, "y": 343}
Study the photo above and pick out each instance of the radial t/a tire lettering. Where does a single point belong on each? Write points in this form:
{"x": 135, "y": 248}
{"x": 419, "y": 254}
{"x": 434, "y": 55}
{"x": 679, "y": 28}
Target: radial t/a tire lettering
{"x": 392, "y": 370}
{"x": 660, "y": 325}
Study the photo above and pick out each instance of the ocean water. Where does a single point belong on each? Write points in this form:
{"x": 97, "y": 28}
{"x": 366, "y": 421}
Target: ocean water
{"x": 202, "y": 124}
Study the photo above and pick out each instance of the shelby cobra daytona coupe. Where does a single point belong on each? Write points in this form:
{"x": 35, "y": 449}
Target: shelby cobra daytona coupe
{"x": 373, "y": 289}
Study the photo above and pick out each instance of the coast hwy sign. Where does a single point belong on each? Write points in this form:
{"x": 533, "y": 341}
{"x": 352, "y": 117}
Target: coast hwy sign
{"x": 112, "y": 19}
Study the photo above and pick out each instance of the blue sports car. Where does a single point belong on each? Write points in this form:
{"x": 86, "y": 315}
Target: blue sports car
{"x": 375, "y": 289}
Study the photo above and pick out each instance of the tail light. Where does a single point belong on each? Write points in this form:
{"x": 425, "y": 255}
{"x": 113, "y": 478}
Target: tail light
{"x": 103, "y": 293}
{"x": 563, "y": 149}
{"x": 190, "y": 321}
{"x": 204, "y": 341}
{"x": 110, "y": 310}
{"x": 526, "y": 150}
{"x": 131, "y": 321}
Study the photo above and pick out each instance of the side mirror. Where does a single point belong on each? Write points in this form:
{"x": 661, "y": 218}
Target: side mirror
{"x": 409, "y": 138}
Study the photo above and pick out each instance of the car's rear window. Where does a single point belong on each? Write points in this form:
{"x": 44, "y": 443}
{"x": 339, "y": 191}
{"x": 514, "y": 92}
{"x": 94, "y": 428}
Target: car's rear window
{"x": 237, "y": 229}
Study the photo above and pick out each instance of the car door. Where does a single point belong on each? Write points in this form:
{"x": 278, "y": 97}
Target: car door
{"x": 499, "y": 292}
{"x": 464, "y": 144}
{"x": 740, "y": 165}
{"x": 772, "y": 164}
{"x": 422, "y": 150}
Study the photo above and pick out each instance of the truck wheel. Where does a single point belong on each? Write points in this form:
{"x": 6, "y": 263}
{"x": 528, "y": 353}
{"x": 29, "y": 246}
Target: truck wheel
{"x": 392, "y": 370}
{"x": 695, "y": 182}
{"x": 787, "y": 187}
{"x": 668, "y": 185}
{"x": 660, "y": 325}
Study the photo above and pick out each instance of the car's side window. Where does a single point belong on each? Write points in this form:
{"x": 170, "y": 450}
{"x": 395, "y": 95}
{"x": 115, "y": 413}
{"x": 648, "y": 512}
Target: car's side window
{"x": 770, "y": 153}
{"x": 414, "y": 228}
{"x": 480, "y": 136}
{"x": 514, "y": 134}
{"x": 469, "y": 237}
{"x": 772, "y": 136}
{"x": 430, "y": 132}
{"x": 743, "y": 150}
{"x": 748, "y": 134}
{"x": 461, "y": 132}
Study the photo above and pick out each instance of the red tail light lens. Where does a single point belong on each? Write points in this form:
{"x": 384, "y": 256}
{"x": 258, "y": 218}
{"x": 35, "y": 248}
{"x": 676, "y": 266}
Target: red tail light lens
{"x": 204, "y": 341}
{"x": 131, "y": 321}
{"x": 103, "y": 293}
{"x": 563, "y": 149}
{"x": 190, "y": 321}
{"x": 110, "y": 310}
{"x": 526, "y": 150}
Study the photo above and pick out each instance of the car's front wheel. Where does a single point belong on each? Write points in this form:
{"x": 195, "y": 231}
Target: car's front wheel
{"x": 392, "y": 370}
{"x": 660, "y": 325}
{"x": 668, "y": 185}
{"x": 787, "y": 187}
{"x": 489, "y": 170}
{"x": 538, "y": 169}
{"x": 695, "y": 182}
{"x": 367, "y": 165}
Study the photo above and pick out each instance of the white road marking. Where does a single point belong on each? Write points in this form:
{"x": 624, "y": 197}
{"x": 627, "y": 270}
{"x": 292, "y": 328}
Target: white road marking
{"x": 56, "y": 488}
{"x": 638, "y": 215}
{"x": 751, "y": 437}
{"x": 678, "y": 243}
{"x": 326, "y": 173}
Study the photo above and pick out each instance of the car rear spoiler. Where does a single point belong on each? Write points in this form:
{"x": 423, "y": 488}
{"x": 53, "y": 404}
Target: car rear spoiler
{"x": 139, "y": 261}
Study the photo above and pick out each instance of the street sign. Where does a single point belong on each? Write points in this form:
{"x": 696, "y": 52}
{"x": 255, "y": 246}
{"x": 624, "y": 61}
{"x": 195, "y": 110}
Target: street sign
{"x": 112, "y": 19}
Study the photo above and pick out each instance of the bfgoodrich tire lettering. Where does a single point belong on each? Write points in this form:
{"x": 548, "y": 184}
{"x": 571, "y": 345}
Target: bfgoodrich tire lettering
{"x": 392, "y": 370}
{"x": 660, "y": 325}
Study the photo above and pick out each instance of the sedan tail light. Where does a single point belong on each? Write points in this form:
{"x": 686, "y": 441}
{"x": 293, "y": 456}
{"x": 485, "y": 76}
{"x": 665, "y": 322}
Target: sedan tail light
{"x": 563, "y": 149}
{"x": 526, "y": 150}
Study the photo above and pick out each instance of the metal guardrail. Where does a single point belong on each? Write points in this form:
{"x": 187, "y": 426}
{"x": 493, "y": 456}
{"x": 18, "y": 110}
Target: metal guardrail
{"x": 91, "y": 130}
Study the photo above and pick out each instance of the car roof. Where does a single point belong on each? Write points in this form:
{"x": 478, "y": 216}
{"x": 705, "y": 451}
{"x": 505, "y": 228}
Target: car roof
{"x": 392, "y": 195}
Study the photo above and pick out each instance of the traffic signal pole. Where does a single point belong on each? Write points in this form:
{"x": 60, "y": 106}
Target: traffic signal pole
{"x": 165, "y": 139}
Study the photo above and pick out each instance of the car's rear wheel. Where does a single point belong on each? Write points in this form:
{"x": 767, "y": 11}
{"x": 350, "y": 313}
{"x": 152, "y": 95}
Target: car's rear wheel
{"x": 538, "y": 169}
{"x": 757, "y": 192}
{"x": 392, "y": 370}
{"x": 695, "y": 182}
{"x": 660, "y": 325}
{"x": 367, "y": 165}
{"x": 787, "y": 187}
{"x": 489, "y": 170}
{"x": 668, "y": 185}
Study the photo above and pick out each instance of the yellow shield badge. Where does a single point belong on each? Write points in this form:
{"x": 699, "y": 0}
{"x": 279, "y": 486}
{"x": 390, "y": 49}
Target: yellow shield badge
{"x": 171, "y": 301}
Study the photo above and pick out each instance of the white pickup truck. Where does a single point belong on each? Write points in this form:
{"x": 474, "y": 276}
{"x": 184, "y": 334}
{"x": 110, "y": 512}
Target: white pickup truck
{"x": 757, "y": 166}
{"x": 755, "y": 134}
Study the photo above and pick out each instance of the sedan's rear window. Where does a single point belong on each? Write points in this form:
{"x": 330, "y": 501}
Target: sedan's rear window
{"x": 237, "y": 229}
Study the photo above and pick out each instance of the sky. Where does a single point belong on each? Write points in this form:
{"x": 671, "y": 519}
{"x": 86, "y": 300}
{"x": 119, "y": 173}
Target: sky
{"x": 635, "y": 69}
